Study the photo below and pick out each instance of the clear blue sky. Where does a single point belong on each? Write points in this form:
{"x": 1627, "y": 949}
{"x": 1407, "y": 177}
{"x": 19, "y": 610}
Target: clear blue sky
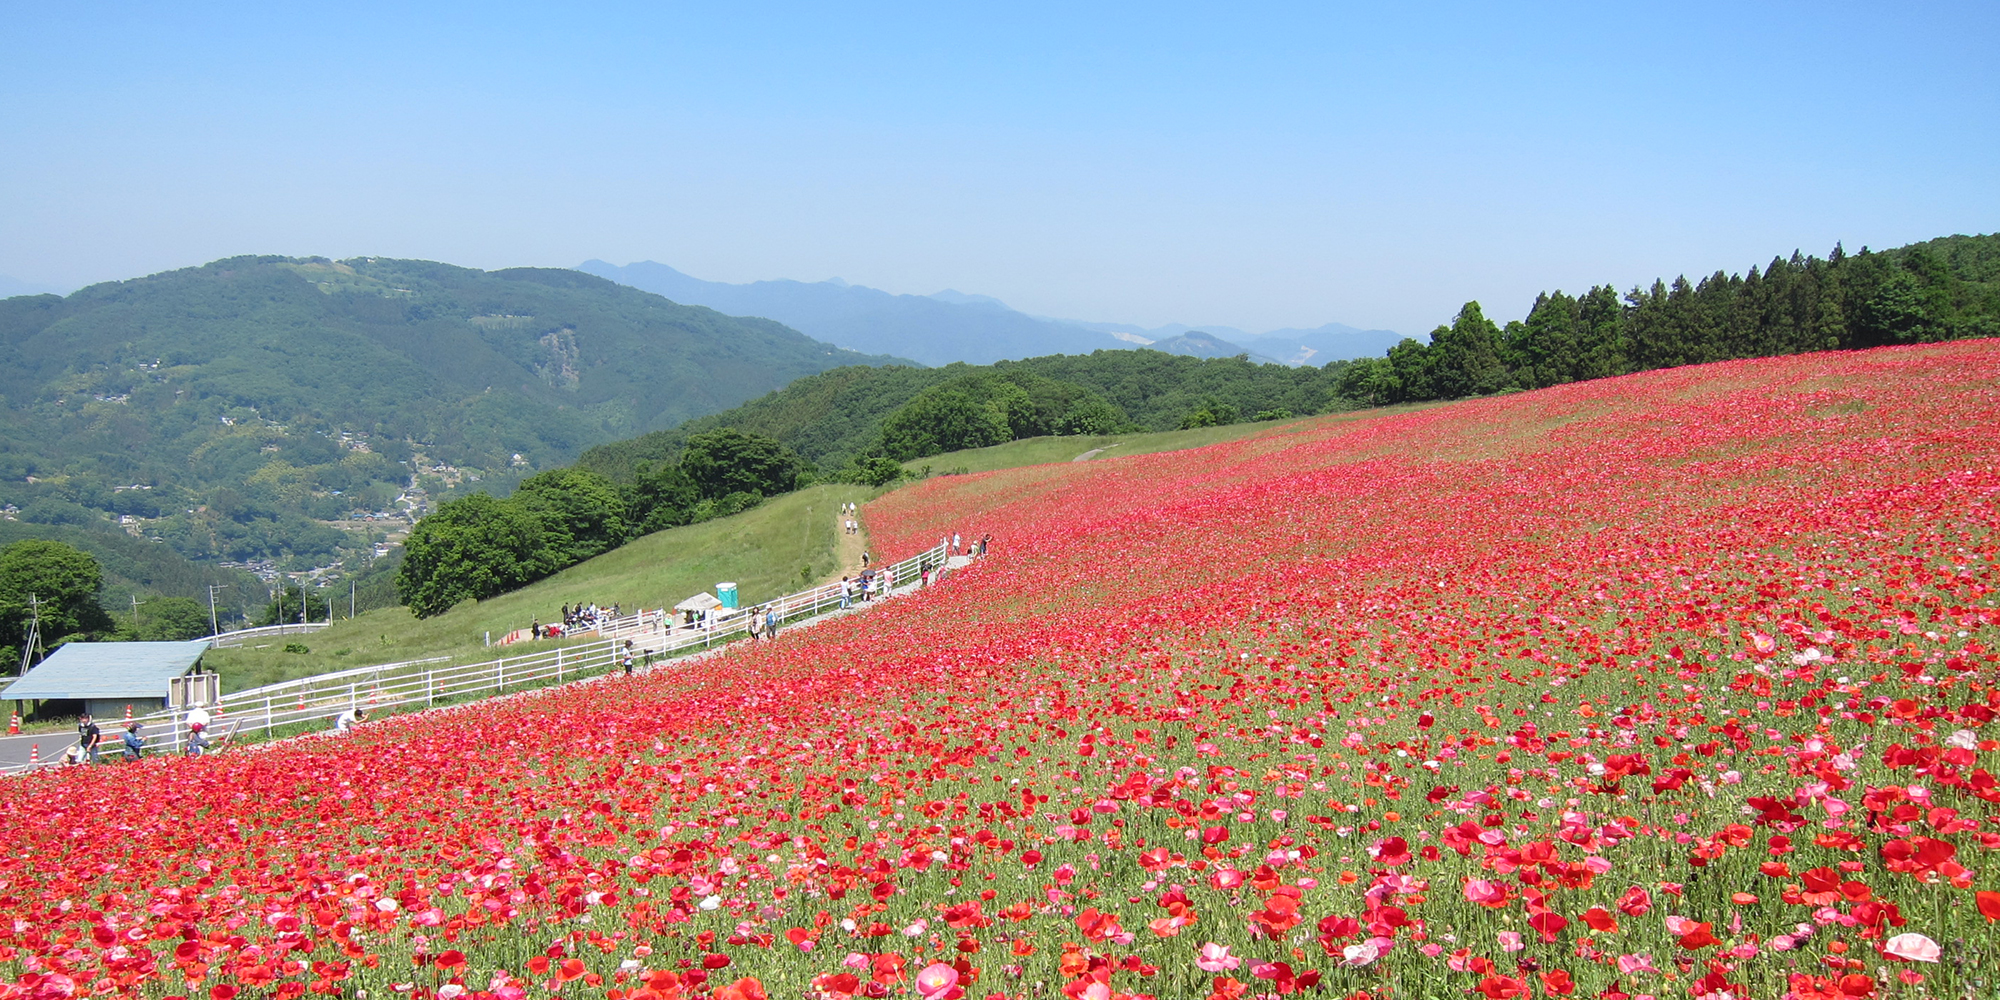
{"x": 1254, "y": 165}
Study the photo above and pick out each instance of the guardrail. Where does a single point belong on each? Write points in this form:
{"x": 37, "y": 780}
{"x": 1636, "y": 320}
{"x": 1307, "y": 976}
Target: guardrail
{"x": 242, "y": 635}
{"x": 409, "y": 683}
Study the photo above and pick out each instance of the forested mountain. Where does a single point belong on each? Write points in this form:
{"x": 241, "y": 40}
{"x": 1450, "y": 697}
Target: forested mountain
{"x": 232, "y": 408}
{"x": 1941, "y": 289}
{"x": 135, "y": 567}
{"x": 834, "y": 417}
{"x": 933, "y": 330}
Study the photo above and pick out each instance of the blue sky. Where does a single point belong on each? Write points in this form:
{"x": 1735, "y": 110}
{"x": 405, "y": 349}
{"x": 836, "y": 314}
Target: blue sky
{"x": 1250, "y": 165}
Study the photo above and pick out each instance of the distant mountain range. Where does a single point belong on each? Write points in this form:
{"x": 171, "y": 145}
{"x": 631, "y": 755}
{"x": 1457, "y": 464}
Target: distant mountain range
{"x": 1332, "y": 342}
{"x": 935, "y": 330}
{"x": 11, "y": 286}
{"x": 954, "y": 326}
{"x": 232, "y": 409}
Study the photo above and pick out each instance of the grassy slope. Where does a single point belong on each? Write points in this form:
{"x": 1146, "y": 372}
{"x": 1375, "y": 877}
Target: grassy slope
{"x": 775, "y": 549}
{"x": 1048, "y": 450}
{"x": 764, "y": 551}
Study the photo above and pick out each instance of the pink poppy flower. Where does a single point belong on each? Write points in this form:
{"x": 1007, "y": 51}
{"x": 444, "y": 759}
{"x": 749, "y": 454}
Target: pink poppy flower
{"x": 936, "y": 980}
{"x": 1216, "y": 958}
{"x": 1911, "y": 947}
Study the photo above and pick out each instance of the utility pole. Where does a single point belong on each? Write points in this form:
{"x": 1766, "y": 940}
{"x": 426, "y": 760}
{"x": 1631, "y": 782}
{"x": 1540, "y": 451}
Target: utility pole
{"x": 350, "y": 600}
{"x": 34, "y": 637}
{"x": 213, "y": 627}
{"x": 135, "y": 611}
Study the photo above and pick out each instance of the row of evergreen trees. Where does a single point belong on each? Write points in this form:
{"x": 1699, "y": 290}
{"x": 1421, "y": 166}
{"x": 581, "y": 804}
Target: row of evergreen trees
{"x": 1940, "y": 290}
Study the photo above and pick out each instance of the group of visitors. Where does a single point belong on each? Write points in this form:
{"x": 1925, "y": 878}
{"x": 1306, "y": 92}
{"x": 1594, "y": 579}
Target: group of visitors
{"x": 866, "y": 586}
{"x": 581, "y": 618}
{"x": 764, "y": 622}
{"x": 89, "y": 745}
{"x": 848, "y": 515}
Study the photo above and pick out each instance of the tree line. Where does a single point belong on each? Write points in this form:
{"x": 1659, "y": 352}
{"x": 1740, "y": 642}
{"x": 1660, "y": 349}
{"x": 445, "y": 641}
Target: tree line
{"x": 56, "y": 588}
{"x": 478, "y": 546}
{"x": 1939, "y": 290}
{"x": 856, "y": 423}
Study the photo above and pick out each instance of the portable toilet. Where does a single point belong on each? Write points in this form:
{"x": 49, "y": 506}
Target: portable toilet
{"x": 726, "y": 593}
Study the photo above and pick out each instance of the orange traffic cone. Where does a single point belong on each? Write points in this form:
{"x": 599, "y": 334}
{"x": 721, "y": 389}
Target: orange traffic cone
{"x": 14, "y": 725}
{"x": 128, "y": 713}
{"x": 34, "y": 755}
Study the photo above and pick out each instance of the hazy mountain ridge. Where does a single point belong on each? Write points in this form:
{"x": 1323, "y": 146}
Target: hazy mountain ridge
{"x": 11, "y": 286}
{"x": 1331, "y": 342}
{"x": 953, "y": 326}
{"x": 933, "y": 330}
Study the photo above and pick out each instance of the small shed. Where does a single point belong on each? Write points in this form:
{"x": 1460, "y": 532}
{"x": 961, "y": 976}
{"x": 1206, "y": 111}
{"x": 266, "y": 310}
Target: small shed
{"x": 104, "y": 677}
{"x": 692, "y": 609}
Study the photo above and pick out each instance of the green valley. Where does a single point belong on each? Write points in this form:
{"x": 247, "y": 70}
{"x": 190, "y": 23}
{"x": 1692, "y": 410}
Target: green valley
{"x": 236, "y": 411}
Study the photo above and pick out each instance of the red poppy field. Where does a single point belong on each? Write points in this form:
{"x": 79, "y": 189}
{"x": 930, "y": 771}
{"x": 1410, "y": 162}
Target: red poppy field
{"x": 1673, "y": 685}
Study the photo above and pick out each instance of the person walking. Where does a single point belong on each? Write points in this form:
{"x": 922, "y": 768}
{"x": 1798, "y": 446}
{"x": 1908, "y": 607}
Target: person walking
{"x": 88, "y": 736}
{"x": 954, "y": 543}
{"x": 846, "y": 593}
{"x": 756, "y": 625}
{"x": 770, "y": 621}
{"x": 135, "y": 745}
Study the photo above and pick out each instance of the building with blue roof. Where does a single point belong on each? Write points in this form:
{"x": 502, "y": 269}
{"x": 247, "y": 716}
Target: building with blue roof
{"x": 105, "y": 677}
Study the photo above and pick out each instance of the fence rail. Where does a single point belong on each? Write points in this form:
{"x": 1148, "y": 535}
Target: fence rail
{"x": 243, "y": 635}
{"x": 410, "y": 683}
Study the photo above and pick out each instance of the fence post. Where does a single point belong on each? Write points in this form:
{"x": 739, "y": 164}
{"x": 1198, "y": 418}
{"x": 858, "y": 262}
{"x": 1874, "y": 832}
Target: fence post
{"x": 500, "y": 675}
{"x": 559, "y": 665}
{"x": 427, "y": 687}
{"x": 267, "y": 717}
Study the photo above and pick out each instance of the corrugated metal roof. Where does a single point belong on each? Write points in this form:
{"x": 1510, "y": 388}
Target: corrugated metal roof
{"x": 107, "y": 670}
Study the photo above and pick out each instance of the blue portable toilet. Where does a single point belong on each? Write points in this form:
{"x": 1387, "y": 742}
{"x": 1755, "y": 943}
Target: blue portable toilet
{"x": 726, "y": 593}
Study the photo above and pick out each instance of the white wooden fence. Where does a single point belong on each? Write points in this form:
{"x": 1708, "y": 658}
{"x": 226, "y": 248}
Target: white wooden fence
{"x": 424, "y": 683}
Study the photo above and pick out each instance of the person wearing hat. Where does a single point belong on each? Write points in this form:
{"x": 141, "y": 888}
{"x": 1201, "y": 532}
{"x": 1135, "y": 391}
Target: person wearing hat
{"x": 135, "y": 745}
{"x": 197, "y": 744}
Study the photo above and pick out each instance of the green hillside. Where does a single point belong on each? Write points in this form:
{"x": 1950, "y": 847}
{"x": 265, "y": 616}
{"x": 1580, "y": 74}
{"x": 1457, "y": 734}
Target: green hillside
{"x": 778, "y": 548}
{"x": 237, "y": 406}
{"x": 1100, "y": 447}
{"x": 837, "y": 415}
{"x": 134, "y": 567}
